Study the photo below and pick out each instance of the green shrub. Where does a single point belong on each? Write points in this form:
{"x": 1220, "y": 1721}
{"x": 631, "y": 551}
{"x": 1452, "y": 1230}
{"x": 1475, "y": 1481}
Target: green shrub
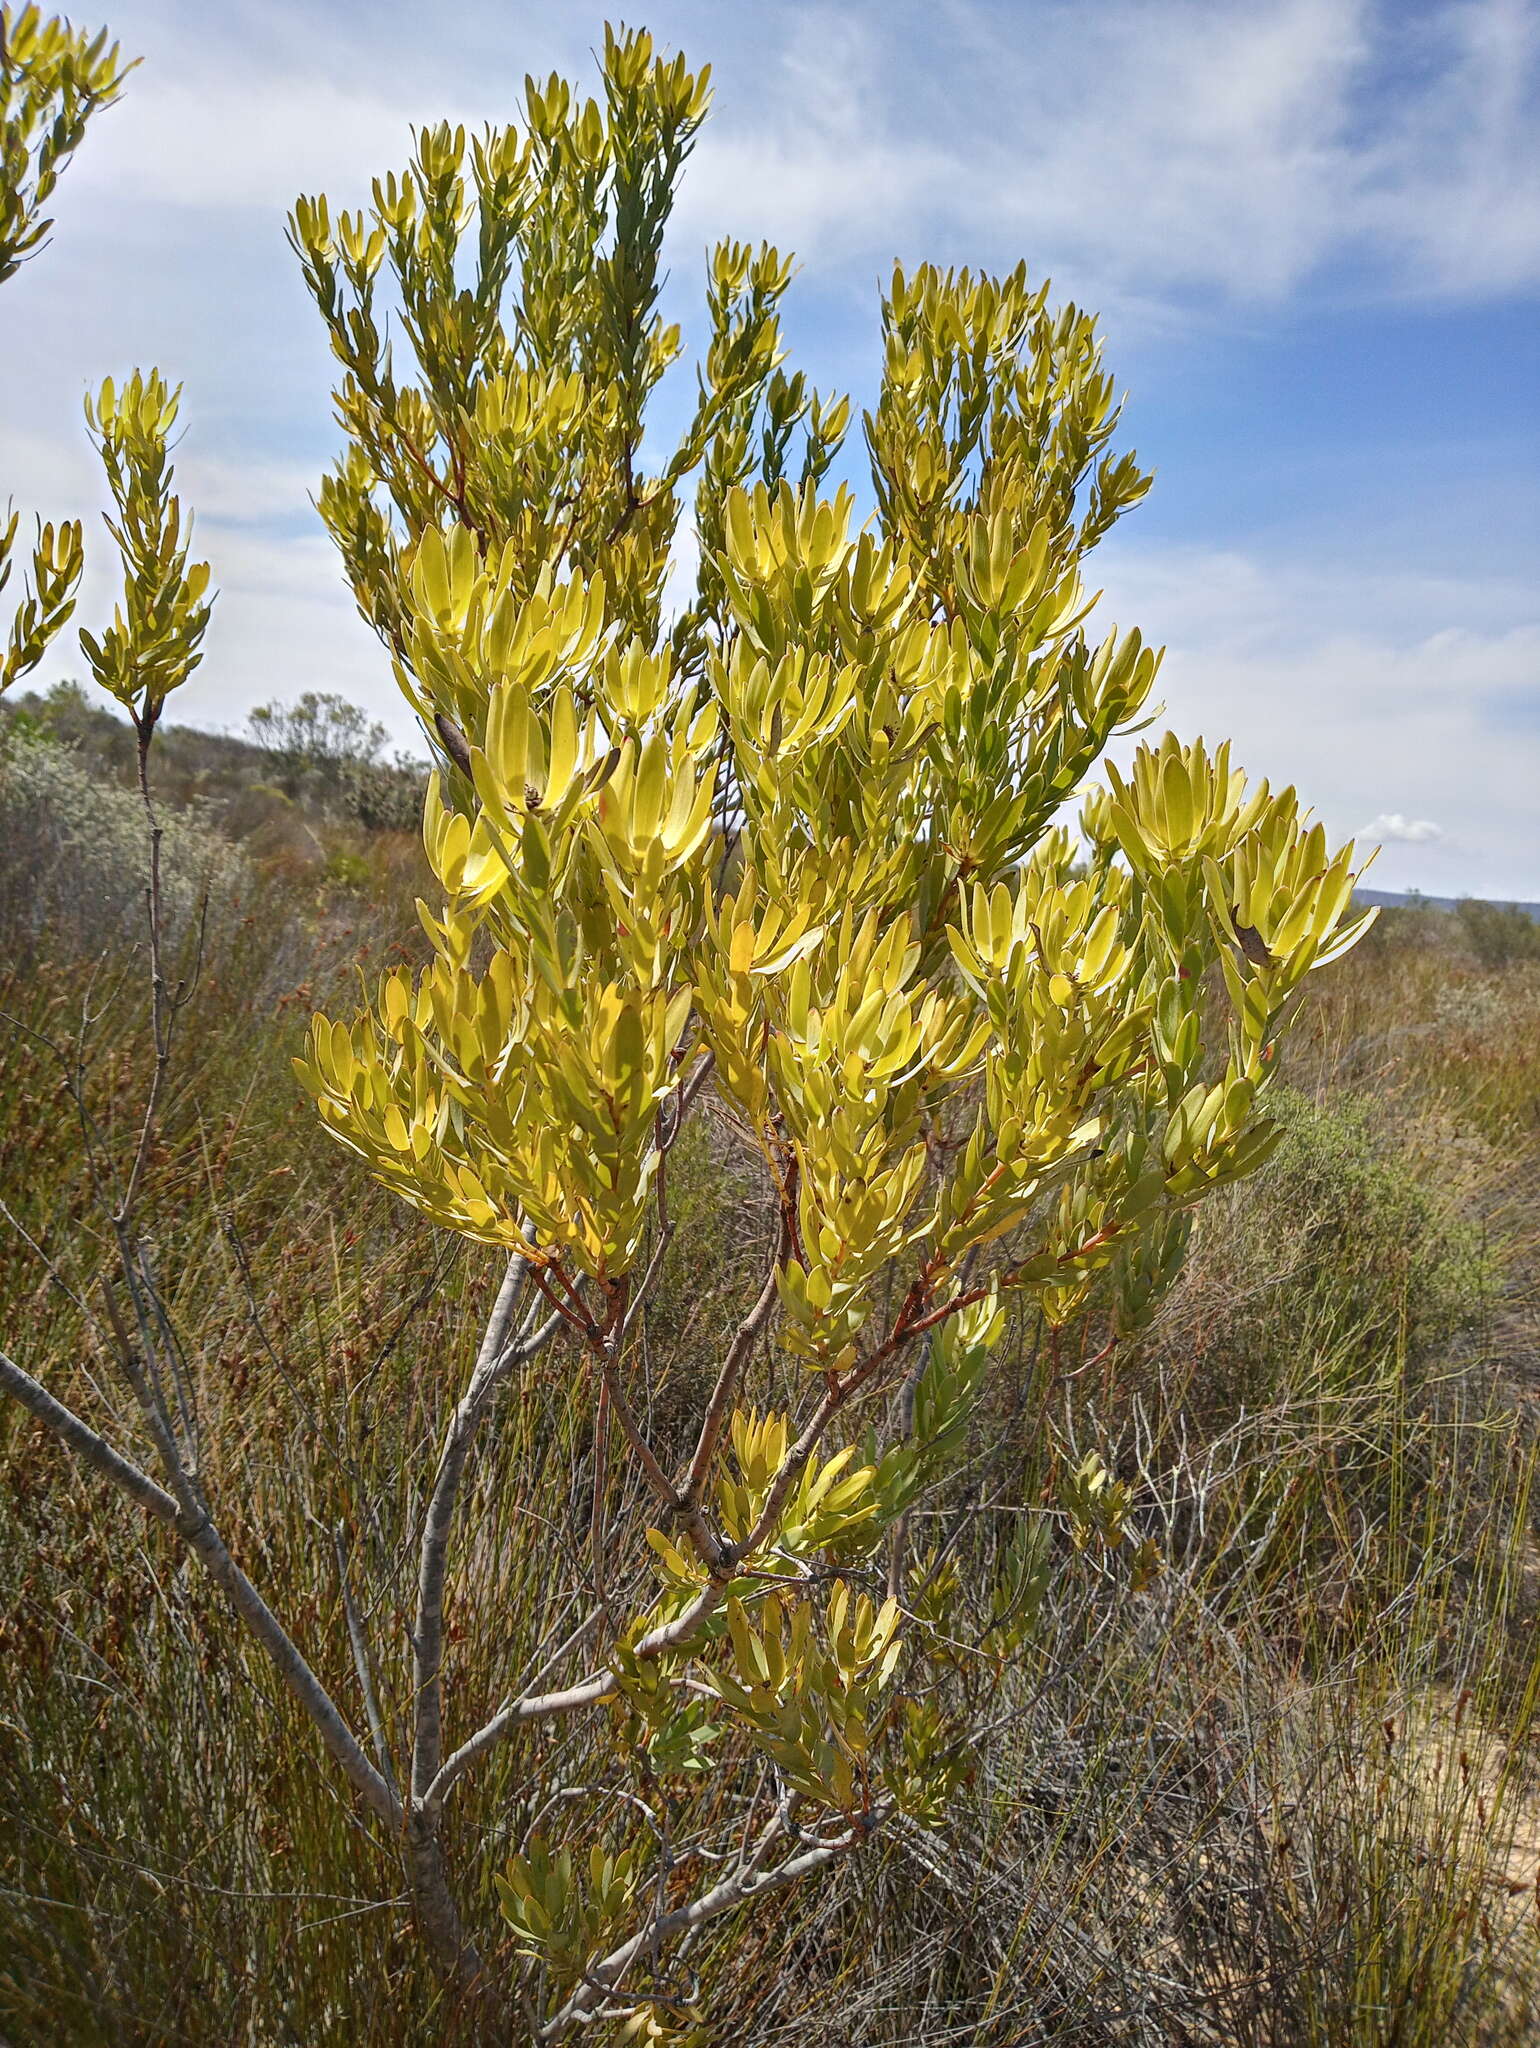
{"x": 328, "y": 754}
{"x": 1374, "y": 1247}
{"x": 1499, "y": 933}
{"x": 74, "y": 854}
{"x": 1341, "y": 1260}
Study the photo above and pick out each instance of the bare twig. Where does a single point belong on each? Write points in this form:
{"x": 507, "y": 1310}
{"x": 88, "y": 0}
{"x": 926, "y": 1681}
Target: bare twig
{"x": 495, "y": 1359}
{"x": 199, "y": 1534}
{"x": 361, "y": 1659}
{"x": 750, "y": 1881}
{"x": 506, "y": 1717}
{"x": 738, "y": 1353}
{"x": 162, "y": 1008}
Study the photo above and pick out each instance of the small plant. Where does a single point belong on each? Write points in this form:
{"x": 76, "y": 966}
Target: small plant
{"x": 802, "y": 851}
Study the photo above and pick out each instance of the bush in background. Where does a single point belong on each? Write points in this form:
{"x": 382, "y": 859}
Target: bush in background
{"x": 76, "y": 857}
{"x": 1499, "y": 934}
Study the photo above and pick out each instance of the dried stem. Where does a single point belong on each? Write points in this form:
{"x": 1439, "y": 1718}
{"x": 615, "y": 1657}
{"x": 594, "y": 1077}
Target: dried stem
{"x": 494, "y": 1361}
{"x": 195, "y": 1529}
{"x": 751, "y": 1880}
{"x": 361, "y": 1662}
{"x": 738, "y": 1353}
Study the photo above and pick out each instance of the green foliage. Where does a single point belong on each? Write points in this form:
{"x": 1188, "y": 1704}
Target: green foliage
{"x": 53, "y": 79}
{"x": 1409, "y": 1258}
{"x": 533, "y": 376}
{"x": 811, "y": 840}
{"x": 154, "y": 641}
{"x": 1498, "y": 934}
{"x": 48, "y": 599}
{"x": 807, "y": 1695}
{"x": 560, "y": 1916}
{"x": 1342, "y": 1261}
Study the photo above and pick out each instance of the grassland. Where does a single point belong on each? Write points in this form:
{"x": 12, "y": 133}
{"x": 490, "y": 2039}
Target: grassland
{"x": 1276, "y": 1788}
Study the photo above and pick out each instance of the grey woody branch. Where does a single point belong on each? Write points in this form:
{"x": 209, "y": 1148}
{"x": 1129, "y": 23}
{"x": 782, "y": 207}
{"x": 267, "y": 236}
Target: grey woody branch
{"x": 194, "y": 1528}
{"x": 750, "y": 1881}
{"x": 498, "y": 1355}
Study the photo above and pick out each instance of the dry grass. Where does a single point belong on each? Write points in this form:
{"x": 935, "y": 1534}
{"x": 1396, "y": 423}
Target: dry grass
{"x": 1282, "y": 1794}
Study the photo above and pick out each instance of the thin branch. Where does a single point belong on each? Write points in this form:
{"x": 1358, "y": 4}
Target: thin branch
{"x": 361, "y": 1659}
{"x": 201, "y": 1537}
{"x": 500, "y": 1724}
{"x": 85, "y": 1443}
{"x": 51, "y": 1266}
{"x": 644, "y": 1286}
{"x": 738, "y": 1353}
{"x": 598, "y": 1532}
{"x": 750, "y": 1881}
{"x": 632, "y": 1430}
{"x": 688, "y": 1091}
{"x": 572, "y": 1699}
{"x": 162, "y": 1011}
{"x": 144, "y": 1382}
{"x": 690, "y": 1514}
{"x": 494, "y": 1361}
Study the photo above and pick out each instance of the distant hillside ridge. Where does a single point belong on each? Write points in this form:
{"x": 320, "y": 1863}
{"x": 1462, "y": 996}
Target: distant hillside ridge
{"x": 323, "y": 760}
{"x": 1413, "y": 899}
{"x": 318, "y": 760}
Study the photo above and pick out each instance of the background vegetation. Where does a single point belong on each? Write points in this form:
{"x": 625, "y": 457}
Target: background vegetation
{"x": 1273, "y": 1785}
{"x": 1221, "y": 1730}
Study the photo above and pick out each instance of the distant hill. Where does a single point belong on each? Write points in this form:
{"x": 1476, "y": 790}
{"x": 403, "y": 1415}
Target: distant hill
{"x": 1413, "y": 899}
{"x": 324, "y": 764}
{"x": 248, "y": 786}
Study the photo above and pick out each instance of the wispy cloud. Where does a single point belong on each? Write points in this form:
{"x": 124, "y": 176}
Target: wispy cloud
{"x": 1449, "y": 179}
{"x": 1408, "y": 831}
{"x": 1146, "y": 152}
{"x": 1133, "y": 149}
{"x": 1180, "y": 166}
{"x": 222, "y": 140}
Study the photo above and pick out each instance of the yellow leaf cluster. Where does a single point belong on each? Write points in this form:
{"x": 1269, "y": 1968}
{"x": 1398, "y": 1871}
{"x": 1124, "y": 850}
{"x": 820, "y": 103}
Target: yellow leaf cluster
{"x": 815, "y": 829}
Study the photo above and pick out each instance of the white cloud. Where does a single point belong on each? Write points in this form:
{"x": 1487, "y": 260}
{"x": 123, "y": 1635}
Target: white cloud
{"x": 1410, "y": 831}
{"x": 1373, "y": 694}
{"x": 1451, "y": 179}
{"x": 1189, "y": 144}
{"x": 61, "y": 475}
{"x": 820, "y": 160}
{"x": 1142, "y": 152}
{"x": 1147, "y": 155}
{"x": 284, "y": 623}
{"x": 218, "y": 140}
{"x": 1137, "y": 151}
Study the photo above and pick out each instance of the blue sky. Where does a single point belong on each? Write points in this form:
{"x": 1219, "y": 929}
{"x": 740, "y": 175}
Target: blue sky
{"x": 1312, "y": 228}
